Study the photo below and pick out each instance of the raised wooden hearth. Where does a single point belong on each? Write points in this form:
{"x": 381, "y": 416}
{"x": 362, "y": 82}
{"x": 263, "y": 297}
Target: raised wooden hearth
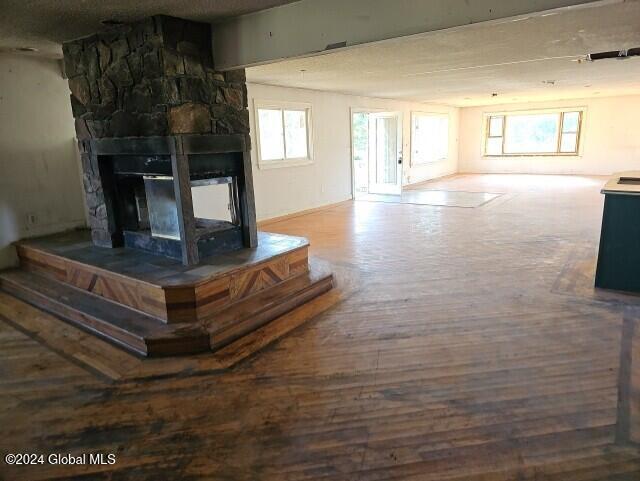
{"x": 155, "y": 306}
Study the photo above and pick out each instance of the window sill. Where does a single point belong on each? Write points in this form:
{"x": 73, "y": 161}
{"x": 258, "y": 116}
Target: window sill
{"x": 279, "y": 164}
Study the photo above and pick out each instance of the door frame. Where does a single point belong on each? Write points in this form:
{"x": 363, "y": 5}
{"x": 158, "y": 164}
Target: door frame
{"x": 370, "y": 110}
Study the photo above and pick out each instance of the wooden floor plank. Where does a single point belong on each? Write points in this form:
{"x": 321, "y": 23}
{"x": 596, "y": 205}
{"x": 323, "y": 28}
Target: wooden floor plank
{"x": 459, "y": 345}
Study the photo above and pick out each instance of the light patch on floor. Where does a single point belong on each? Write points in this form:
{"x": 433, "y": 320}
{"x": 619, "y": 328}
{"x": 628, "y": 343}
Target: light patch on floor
{"x": 447, "y": 198}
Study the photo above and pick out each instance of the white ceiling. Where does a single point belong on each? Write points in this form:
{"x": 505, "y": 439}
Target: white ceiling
{"x": 514, "y": 58}
{"x": 45, "y": 24}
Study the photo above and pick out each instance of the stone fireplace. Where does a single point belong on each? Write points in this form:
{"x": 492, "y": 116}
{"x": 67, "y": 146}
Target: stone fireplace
{"x": 153, "y": 119}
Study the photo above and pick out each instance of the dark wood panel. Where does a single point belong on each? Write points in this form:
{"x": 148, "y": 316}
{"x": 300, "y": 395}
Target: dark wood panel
{"x": 248, "y": 203}
{"x": 131, "y": 146}
{"x": 211, "y": 144}
{"x": 619, "y": 249}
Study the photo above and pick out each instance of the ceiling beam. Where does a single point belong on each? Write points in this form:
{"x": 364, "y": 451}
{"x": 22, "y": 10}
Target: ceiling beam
{"x": 313, "y": 27}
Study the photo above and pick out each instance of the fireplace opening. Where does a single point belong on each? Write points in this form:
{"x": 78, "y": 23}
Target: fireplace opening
{"x": 150, "y": 209}
{"x": 216, "y": 199}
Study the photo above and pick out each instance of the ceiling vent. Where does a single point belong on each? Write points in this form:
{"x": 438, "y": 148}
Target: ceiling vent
{"x": 617, "y": 54}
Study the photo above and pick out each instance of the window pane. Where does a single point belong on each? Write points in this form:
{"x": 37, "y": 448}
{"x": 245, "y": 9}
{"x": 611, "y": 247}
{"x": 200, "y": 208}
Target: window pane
{"x": 211, "y": 202}
{"x": 568, "y": 143}
{"x": 295, "y": 131}
{"x": 570, "y": 123}
{"x": 360, "y": 130}
{"x": 494, "y": 146}
{"x": 430, "y": 139}
{"x": 495, "y": 126}
{"x": 531, "y": 134}
{"x": 386, "y": 150}
{"x": 270, "y": 131}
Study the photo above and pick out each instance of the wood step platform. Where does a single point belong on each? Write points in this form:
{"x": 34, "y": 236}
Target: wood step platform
{"x": 154, "y": 306}
{"x": 163, "y": 287}
{"x": 256, "y": 311}
{"x": 132, "y": 330}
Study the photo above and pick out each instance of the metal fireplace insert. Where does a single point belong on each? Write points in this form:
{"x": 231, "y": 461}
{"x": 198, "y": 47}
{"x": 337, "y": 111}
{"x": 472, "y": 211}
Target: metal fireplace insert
{"x": 147, "y": 185}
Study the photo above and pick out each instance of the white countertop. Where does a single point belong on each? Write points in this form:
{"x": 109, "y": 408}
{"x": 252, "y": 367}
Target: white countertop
{"x": 613, "y": 186}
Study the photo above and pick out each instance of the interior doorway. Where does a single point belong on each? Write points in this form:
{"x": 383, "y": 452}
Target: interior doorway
{"x": 376, "y": 152}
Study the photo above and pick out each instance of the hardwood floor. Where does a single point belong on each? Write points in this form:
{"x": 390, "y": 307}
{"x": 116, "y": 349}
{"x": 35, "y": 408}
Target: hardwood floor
{"x": 470, "y": 345}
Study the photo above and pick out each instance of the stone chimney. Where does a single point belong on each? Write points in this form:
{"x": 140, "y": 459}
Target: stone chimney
{"x": 155, "y": 77}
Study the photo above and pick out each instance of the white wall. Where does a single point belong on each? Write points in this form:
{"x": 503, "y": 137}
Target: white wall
{"x": 328, "y": 179}
{"x": 610, "y": 141}
{"x": 40, "y": 187}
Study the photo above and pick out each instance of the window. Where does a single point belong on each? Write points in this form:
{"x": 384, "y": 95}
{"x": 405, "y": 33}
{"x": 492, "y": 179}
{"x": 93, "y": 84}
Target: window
{"x": 533, "y": 133}
{"x": 429, "y": 138}
{"x": 283, "y": 134}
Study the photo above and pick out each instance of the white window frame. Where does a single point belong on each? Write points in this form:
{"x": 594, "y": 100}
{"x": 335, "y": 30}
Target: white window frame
{"x": 561, "y": 110}
{"x": 414, "y": 114}
{"x": 280, "y": 105}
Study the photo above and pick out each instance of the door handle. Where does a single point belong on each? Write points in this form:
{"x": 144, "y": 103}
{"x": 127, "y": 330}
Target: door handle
{"x": 399, "y": 160}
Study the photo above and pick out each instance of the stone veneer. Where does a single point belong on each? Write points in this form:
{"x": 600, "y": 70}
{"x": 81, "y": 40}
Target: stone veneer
{"x": 155, "y": 77}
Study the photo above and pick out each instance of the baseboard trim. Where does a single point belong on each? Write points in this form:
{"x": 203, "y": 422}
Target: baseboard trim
{"x": 274, "y": 220}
